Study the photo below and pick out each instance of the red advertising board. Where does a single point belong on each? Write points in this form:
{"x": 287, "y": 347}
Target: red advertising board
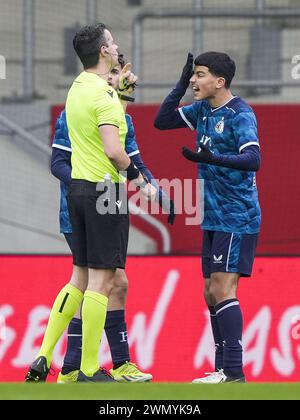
{"x": 168, "y": 322}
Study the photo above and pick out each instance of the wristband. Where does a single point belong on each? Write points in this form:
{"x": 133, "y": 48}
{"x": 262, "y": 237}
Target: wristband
{"x": 126, "y": 98}
{"x": 132, "y": 171}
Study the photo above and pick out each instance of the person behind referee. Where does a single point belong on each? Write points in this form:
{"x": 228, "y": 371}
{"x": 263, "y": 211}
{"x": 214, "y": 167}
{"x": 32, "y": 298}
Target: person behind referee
{"x": 97, "y": 130}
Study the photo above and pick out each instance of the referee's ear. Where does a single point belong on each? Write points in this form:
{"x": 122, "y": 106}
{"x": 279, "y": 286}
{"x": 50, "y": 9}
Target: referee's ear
{"x": 103, "y": 51}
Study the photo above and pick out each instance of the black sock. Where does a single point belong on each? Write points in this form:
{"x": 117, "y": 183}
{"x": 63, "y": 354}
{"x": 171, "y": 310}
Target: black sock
{"x": 230, "y": 322}
{"x": 116, "y": 333}
{"x": 217, "y": 338}
{"x": 117, "y": 365}
{"x": 73, "y": 354}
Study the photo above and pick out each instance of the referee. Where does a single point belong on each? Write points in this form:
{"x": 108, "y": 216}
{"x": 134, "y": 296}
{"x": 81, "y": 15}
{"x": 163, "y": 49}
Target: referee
{"x": 97, "y": 130}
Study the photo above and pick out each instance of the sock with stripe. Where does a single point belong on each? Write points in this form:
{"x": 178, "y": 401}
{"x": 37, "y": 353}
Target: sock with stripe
{"x": 217, "y": 338}
{"x": 73, "y": 354}
{"x": 116, "y": 333}
{"x": 93, "y": 319}
{"x": 230, "y": 323}
{"x": 63, "y": 310}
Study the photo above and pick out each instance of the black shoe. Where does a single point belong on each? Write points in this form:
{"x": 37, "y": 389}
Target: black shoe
{"x": 234, "y": 380}
{"x": 100, "y": 376}
{"x": 38, "y": 371}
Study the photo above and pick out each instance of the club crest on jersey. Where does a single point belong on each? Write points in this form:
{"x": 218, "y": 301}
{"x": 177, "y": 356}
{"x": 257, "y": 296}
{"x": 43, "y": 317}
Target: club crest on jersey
{"x": 220, "y": 126}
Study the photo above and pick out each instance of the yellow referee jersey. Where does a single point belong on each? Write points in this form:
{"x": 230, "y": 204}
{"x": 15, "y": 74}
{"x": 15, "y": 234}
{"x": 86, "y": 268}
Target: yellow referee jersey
{"x": 91, "y": 102}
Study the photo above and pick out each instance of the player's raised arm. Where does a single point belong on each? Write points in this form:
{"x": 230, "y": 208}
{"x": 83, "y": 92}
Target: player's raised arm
{"x": 168, "y": 116}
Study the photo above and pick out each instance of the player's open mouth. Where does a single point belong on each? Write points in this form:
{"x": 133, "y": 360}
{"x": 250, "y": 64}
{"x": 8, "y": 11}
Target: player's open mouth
{"x": 195, "y": 89}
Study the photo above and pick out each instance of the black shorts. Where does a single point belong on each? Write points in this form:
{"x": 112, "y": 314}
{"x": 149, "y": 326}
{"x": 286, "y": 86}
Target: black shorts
{"x": 98, "y": 240}
{"x": 228, "y": 252}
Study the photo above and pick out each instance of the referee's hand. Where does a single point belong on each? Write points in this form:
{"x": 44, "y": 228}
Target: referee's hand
{"x": 148, "y": 192}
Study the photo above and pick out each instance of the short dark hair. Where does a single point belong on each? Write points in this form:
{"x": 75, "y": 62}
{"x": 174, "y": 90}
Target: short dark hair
{"x": 121, "y": 60}
{"x": 87, "y": 43}
{"x": 219, "y": 64}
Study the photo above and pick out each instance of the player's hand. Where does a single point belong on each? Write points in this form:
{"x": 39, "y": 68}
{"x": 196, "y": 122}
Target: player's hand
{"x": 148, "y": 192}
{"x": 167, "y": 205}
{"x": 172, "y": 214}
{"x": 204, "y": 155}
{"x": 128, "y": 80}
{"x": 187, "y": 71}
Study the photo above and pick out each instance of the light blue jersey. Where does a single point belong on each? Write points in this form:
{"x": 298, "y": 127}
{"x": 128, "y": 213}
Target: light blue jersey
{"x": 230, "y": 195}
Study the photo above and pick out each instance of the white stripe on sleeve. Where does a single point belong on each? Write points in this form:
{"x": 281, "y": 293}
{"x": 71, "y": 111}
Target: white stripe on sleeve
{"x": 185, "y": 119}
{"x": 136, "y": 152}
{"x": 58, "y": 146}
{"x": 250, "y": 143}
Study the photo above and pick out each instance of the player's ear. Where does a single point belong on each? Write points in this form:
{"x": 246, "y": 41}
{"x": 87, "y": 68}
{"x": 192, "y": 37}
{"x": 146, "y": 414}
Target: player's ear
{"x": 220, "y": 82}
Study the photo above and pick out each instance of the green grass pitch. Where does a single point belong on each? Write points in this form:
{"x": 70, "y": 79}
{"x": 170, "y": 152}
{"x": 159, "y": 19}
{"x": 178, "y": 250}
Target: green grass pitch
{"x": 150, "y": 391}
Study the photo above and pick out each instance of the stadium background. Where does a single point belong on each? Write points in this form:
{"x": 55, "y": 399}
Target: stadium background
{"x": 37, "y": 66}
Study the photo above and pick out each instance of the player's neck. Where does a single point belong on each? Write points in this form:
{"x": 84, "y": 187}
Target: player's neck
{"x": 220, "y": 99}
